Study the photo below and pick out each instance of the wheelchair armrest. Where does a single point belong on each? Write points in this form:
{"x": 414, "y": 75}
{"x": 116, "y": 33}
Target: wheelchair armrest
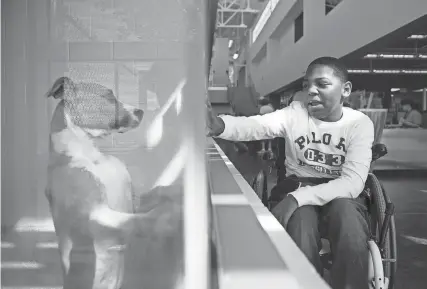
{"x": 378, "y": 150}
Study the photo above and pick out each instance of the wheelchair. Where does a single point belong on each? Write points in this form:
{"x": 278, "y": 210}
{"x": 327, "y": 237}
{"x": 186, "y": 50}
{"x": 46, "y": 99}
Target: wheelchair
{"x": 382, "y": 243}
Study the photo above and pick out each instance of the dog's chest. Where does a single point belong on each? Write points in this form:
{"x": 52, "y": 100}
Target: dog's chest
{"x": 113, "y": 178}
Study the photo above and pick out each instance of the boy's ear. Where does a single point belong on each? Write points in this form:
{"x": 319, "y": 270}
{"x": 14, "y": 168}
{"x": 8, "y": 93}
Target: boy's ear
{"x": 346, "y": 90}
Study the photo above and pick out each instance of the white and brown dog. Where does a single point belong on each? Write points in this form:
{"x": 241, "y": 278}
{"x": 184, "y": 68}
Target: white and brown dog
{"x": 90, "y": 193}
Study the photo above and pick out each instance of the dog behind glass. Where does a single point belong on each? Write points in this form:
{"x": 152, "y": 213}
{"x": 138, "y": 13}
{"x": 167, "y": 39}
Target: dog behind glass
{"x": 90, "y": 193}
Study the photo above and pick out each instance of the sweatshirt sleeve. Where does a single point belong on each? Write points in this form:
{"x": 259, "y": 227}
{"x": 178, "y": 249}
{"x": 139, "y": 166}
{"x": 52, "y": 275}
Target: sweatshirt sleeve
{"x": 256, "y": 127}
{"x": 354, "y": 170}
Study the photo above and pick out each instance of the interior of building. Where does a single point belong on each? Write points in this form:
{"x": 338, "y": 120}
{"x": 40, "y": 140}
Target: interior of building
{"x": 165, "y": 58}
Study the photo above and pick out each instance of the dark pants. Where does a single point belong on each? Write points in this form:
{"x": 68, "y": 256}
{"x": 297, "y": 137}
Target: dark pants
{"x": 346, "y": 228}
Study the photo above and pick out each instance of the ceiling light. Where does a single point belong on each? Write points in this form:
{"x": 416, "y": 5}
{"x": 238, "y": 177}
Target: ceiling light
{"x": 415, "y": 71}
{"x": 358, "y": 71}
{"x": 386, "y": 71}
{"x": 417, "y": 36}
{"x": 395, "y": 89}
{"x": 235, "y": 56}
{"x": 389, "y": 56}
{"x": 389, "y": 71}
{"x": 371, "y": 56}
{"x": 397, "y": 56}
{"x": 230, "y": 43}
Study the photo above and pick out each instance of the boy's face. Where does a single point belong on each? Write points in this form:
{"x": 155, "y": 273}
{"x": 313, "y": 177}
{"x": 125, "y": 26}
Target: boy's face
{"x": 406, "y": 107}
{"x": 326, "y": 93}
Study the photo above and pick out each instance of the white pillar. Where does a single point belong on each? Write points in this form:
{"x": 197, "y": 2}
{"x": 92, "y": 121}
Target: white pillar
{"x": 424, "y": 99}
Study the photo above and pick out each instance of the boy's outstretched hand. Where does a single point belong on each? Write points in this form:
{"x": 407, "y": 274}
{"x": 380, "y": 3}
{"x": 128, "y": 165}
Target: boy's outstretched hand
{"x": 214, "y": 124}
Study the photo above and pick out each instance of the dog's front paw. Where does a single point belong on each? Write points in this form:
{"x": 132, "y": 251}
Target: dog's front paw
{"x": 170, "y": 221}
{"x": 163, "y": 219}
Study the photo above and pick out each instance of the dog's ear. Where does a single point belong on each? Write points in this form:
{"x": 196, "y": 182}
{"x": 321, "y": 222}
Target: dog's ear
{"x": 57, "y": 90}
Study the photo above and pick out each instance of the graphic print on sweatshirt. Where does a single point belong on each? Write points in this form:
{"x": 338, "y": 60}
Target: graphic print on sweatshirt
{"x": 323, "y": 152}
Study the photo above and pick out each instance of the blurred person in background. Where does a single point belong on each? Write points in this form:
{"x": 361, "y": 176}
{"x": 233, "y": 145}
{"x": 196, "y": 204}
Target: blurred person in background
{"x": 412, "y": 117}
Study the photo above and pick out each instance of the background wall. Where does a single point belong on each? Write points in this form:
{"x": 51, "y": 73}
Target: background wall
{"x": 277, "y": 60}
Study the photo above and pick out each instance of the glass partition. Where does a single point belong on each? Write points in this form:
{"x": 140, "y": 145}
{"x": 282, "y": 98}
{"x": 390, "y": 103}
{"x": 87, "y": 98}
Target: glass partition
{"x": 152, "y": 55}
{"x": 154, "y": 59}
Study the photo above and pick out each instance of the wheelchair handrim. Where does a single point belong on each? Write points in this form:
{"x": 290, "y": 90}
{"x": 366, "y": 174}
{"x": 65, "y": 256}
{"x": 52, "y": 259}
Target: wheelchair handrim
{"x": 377, "y": 264}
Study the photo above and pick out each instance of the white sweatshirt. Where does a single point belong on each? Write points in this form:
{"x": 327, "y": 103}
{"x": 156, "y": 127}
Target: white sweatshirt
{"x": 314, "y": 148}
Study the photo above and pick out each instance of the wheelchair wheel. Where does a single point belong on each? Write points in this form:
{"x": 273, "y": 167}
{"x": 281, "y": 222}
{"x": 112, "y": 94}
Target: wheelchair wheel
{"x": 259, "y": 185}
{"x": 377, "y": 219}
{"x": 393, "y": 244}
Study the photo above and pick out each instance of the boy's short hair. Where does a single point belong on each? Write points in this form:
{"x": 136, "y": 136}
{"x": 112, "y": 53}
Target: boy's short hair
{"x": 264, "y": 101}
{"x": 340, "y": 70}
{"x": 407, "y": 101}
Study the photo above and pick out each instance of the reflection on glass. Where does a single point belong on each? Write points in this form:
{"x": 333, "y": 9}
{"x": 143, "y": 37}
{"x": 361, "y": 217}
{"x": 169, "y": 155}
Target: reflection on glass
{"x": 152, "y": 59}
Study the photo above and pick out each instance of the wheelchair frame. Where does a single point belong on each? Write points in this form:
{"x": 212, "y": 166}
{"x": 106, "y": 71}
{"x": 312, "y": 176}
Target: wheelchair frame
{"x": 382, "y": 244}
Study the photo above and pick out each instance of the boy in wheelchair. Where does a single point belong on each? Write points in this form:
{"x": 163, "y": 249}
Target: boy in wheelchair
{"x": 328, "y": 155}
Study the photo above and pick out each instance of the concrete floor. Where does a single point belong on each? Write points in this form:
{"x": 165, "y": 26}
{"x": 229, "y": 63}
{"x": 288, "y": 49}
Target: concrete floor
{"x": 410, "y": 199}
{"x": 406, "y": 150}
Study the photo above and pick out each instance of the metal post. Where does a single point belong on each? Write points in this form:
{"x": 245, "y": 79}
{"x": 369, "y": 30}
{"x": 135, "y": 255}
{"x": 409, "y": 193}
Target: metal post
{"x": 424, "y": 98}
{"x": 196, "y": 202}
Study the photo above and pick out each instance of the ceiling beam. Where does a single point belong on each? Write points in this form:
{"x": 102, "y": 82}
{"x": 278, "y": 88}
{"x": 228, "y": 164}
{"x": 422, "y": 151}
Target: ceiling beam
{"x": 389, "y": 40}
{"x": 386, "y": 64}
{"x": 231, "y": 14}
{"x": 378, "y": 82}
